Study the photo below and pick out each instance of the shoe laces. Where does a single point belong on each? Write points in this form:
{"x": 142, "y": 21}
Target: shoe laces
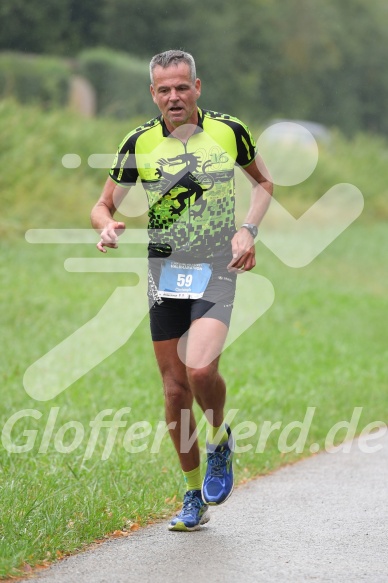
{"x": 217, "y": 461}
{"x": 191, "y": 501}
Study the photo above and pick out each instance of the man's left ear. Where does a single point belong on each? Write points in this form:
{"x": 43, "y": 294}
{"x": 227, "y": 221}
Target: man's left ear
{"x": 198, "y": 87}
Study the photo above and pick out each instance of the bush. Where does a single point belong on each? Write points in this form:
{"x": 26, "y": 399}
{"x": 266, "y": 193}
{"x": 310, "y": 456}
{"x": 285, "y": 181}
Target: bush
{"x": 121, "y": 83}
{"x": 34, "y": 79}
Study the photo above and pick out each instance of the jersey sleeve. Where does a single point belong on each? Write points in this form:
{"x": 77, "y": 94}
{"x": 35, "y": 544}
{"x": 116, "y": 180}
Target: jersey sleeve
{"x": 246, "y": 145}
{"x": 124, "y": 170}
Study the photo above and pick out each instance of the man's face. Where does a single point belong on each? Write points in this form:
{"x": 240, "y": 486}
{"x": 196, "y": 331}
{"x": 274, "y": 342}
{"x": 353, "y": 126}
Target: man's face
{"x": 175, "y": 94}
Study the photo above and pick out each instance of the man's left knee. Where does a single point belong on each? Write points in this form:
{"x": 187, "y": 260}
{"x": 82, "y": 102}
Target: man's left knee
{"x": 201, "y": 376}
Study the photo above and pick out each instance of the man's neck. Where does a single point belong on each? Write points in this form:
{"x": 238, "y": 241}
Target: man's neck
{"x": 184, "y": 131}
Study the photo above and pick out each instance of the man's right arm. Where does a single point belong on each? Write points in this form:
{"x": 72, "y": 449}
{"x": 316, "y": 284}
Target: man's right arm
{"x": 102, "y": 215}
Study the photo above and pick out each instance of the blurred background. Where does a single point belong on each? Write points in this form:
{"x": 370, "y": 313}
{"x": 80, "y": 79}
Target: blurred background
{"x": 74, "y": 79}
{"x": 258, "y": 59}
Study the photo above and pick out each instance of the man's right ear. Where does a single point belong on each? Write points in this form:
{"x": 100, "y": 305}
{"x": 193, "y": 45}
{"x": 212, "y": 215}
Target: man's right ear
{"x": 152, "y": 93}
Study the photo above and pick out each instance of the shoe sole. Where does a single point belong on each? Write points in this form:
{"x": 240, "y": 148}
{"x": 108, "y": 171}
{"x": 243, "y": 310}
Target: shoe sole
{"x": 181, "y": 527}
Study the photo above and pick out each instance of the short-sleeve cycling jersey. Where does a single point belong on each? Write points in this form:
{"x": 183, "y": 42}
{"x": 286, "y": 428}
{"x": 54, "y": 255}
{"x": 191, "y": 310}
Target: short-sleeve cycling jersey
{"x": 190, "y": 186}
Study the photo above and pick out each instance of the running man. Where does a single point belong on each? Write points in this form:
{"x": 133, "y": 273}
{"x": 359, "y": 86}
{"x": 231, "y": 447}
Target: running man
{"x": 185, "y": 159}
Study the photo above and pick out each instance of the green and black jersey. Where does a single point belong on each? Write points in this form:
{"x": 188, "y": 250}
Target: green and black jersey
{"x": 190, "y": 186}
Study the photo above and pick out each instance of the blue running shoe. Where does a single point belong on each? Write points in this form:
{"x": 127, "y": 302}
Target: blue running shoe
{"x": 194, "y": 513}
{"x": 218, "y": 482}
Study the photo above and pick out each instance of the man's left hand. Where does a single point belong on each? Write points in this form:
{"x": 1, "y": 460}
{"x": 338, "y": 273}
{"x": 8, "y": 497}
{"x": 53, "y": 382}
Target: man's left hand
{"x": 243, "y": 251}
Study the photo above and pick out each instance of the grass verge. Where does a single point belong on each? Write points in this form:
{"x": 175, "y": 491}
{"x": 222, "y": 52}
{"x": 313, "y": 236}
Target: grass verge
{"x": 322, "y": 344}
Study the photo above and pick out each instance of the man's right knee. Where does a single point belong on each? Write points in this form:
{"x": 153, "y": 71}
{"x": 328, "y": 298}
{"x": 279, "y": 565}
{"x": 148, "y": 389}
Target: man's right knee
{"x": 177, "y": 394}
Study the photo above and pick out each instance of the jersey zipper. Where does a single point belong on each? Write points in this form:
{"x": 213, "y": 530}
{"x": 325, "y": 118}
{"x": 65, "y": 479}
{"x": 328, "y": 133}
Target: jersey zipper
{"x": 187, "y": 245}
{"x": 189, "y": 206}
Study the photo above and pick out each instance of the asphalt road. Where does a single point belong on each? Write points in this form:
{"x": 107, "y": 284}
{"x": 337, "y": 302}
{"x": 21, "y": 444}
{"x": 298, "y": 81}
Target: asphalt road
{"x": 324, "y": 519}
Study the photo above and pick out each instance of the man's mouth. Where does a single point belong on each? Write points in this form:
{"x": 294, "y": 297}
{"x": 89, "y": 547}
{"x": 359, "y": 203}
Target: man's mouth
{"x": 176, "y": 109}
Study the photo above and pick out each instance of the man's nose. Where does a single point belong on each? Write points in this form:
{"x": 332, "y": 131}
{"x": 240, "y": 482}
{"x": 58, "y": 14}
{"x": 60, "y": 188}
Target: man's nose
{"x": 173, "y": 95}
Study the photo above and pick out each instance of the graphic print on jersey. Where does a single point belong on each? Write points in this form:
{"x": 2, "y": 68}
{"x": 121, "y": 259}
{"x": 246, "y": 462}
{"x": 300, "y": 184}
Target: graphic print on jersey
{"x": 189, "y": 185}
{"x": 184, "y": 178}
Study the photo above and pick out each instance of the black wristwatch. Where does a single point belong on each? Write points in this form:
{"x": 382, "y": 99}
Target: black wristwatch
{"x": 251, "y": 228}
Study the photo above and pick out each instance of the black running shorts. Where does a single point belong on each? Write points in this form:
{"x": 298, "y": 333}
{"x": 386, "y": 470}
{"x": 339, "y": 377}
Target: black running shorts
{"x": 171, "y": 317}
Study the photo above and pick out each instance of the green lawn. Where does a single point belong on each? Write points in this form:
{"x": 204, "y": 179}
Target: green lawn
{"x": 322, "y": 344}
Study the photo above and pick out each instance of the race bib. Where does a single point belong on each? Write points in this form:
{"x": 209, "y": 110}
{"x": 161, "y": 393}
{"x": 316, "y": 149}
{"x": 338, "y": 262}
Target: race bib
{"x": 183, "y": 280}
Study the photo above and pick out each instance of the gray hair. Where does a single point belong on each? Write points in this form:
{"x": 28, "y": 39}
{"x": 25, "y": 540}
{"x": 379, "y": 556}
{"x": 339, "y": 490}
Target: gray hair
{"x": 172, "y": 57}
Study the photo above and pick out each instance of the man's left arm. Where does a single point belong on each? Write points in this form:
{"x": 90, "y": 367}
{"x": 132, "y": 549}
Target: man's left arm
{"x": 243, "y": 249}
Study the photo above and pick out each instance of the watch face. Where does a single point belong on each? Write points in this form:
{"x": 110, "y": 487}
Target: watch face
{"x": 252, "y": 229}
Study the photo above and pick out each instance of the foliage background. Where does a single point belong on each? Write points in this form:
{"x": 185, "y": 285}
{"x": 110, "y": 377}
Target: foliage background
{"x": 258, "y": 59}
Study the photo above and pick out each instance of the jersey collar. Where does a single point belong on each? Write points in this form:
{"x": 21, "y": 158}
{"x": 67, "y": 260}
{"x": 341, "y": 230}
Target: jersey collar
{"x": 166, "y": 133}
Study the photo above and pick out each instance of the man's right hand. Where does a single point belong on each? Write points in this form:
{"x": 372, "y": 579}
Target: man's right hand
{"x": 110, "y": 235}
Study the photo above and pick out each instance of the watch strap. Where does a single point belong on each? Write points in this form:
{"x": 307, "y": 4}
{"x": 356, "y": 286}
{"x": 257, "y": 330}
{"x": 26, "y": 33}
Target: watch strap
{"x": 251, "y": 228}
